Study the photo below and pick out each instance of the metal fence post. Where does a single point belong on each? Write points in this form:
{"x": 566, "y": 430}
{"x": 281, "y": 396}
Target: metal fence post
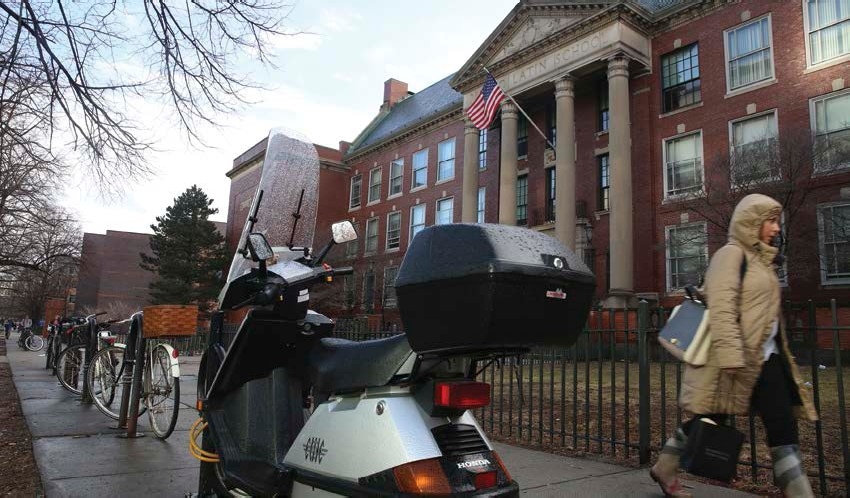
{"x": 643, "y": 383}
{"x": 90, "y": 349}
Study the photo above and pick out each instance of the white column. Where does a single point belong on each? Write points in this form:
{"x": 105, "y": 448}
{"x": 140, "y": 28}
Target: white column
{"x": 507, "y": 168}
{"x": 620, "y": 160}
{"x": 565, "y": 163}
{"x": 469, "y": 206}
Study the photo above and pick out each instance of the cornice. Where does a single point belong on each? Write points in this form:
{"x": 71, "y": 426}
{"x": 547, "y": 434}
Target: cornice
{"x": 401, "y": 135}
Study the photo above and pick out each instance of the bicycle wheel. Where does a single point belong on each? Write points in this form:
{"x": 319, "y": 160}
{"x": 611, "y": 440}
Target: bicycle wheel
{"x": 69, "y": 368}
{"x": 104, "y": 380}
{"x": 163, "y": 396}
{"x": 35, "y": 342}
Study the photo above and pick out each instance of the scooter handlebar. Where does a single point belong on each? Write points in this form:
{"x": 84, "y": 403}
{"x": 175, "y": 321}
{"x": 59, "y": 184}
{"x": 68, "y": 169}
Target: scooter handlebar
{"x": 345, "y": 270}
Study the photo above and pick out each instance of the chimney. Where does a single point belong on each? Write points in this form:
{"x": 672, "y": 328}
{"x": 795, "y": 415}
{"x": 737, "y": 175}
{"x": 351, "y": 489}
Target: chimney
{"x": 344, "y": 146}
{"x": 394, "y": 90}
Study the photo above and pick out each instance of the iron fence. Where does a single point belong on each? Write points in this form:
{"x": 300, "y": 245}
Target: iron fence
{"x": 615, "y": 392}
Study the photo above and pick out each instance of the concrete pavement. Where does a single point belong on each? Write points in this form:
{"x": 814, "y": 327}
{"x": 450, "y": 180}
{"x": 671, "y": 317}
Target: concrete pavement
{"x": 80, "y": 455}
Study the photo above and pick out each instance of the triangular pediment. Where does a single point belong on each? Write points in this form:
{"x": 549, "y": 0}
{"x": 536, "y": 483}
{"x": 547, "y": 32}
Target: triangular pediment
{"x": 531, "y": 23}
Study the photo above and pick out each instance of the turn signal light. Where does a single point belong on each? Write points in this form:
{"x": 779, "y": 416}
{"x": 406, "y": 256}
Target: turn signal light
{"x": 424, "y": 477}
{"x": 464, "y": 395}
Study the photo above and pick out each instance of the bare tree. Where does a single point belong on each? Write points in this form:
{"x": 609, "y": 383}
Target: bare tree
{"x": 66, "y": 66}
{"x": 785, "y": 169}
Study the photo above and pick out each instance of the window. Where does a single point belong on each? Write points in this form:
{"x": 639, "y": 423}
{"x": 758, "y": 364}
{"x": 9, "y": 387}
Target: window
{"x": 348, "y": 285}
{"x": 522, "y": 200}
{"x": 396, "y": 174}
{"x": 753, "y": 154}
{"x": 683, "y": 164}
{"x": 687, "y": 254}
{"x": 393, "y": 230}
{"x": 369, "y": 290}
{"x": 604, "y": 183}
{"x": 372, "y": 235}
{"x": 522, "y": 138}
{"x": 831, "y": 122}
{"x": 351, "y": 249}
{"x": 420, "y": 169}
{"x": 375, "y": 185}
{"x": 552, "y": 123}
{"x": 445, "y": 211}
{"x": 481, "y": 195}
{"x": 749, "y": 57}
{"x": 680, "y": 78}
{"x": 550, "y": 194}
{"x": 828, "y": 29}
{"x": 390, "y": 273}
{"x": 482, "y": 149}
{"x": 446, "y": 160}
{"x": 417, "y": 219}
{"x": 834, "y": 234}
{"x": 603, "y": 119}
{"x": 354, "y": 196}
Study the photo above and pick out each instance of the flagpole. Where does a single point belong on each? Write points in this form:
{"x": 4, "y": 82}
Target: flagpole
{"x": 521, "y": 110}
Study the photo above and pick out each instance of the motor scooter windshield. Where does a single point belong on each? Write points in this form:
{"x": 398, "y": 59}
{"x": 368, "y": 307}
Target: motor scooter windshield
{"x": 290, "y": 167}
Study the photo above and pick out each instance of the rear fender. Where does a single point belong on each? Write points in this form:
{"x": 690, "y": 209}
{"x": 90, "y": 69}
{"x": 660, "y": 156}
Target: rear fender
{"x": 175, "y": 364}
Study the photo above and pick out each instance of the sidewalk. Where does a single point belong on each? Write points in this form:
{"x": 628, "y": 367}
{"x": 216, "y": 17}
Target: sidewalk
{"x": 78, "y": 453}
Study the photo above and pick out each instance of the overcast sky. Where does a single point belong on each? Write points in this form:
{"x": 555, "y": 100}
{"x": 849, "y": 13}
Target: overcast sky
{"x": 327, "y": 86}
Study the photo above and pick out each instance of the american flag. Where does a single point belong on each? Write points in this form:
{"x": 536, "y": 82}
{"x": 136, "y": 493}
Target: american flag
{"x": 482, "y": 111}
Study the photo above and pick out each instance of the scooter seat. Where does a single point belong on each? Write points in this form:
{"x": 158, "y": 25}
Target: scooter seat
{"x": 338, "y": 365}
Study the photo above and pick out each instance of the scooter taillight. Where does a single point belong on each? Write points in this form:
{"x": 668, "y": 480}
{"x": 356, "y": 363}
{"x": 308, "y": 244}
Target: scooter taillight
{"x": 464, "y": 395}
{"x": 424, "y": 477}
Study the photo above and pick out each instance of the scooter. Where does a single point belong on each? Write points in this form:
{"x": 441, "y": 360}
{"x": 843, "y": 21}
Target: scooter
{"x": 288, "y": 410}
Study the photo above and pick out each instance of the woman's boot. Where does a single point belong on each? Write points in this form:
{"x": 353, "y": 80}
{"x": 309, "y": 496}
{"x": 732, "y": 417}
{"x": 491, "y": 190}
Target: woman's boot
{"x": 788, "y": 471}
{"x": 666, "y": 469}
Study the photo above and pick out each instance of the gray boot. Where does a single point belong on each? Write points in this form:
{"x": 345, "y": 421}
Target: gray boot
{"x": 788, "y": 472}
{"x": 666, "y": 468}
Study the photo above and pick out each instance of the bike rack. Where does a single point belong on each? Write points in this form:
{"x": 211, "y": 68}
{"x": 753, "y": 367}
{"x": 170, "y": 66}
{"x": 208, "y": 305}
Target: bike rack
{"x": 128, "y": 414}
{"x": 90, "y": 348}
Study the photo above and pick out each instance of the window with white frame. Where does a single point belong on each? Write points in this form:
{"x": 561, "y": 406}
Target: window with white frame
{"x": 354, "y": 195}
{"x": 417, "y": 219}
{"x": 753, "y": 154}
{"x": 446, "y": 160}
{"x": 831, "y": 123}
{"x": 420, "y": 169}
{"x": 445, "y": 211}
{"x": 683, "y": 165}
{"x": 375, "y": 185}
{"x": 834, "y": 235}
{"x": 680, "y": 78}
{"x": 371, "y": 235}
{"x": 482, "y": 149}
{"x": 393, "y": 230}
{"x": 390, "y": 273}
{"x": 348, "y": 283}
{"x": 369, "y": 290}
{"x": 396, "y": 176}
{"x": 828, "y": 28}
{"x": 482, "y": 192}
{"x": 687, "y": 255}
{"x": 749, "y": 54}
{"x": 351, "y": 249}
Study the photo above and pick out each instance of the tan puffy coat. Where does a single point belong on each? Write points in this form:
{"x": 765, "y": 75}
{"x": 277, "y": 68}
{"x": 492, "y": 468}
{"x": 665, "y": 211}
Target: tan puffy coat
{"x": 725, "y": 384}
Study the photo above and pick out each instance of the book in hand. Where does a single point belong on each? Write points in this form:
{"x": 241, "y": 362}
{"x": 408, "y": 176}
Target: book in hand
{"x": 712, "y": 450}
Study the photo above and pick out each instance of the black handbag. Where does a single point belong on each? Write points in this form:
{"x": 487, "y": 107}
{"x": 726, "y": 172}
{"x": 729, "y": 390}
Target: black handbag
{"x": 712, "y": 450}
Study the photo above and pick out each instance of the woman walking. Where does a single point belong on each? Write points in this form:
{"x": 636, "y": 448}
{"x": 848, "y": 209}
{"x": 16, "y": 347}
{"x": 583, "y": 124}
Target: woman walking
{"x": 750, "y": 367}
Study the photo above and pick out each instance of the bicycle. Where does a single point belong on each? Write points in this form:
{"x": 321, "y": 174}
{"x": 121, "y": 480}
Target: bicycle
{"x": 29, "y": 341}
{"x": 69, "y": 364}
{"x": 160, "y": 393}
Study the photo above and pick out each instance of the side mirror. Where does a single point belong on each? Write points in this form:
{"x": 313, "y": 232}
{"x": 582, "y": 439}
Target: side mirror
{"x": 343, "y": 231}
{"x": 259, "y": 247}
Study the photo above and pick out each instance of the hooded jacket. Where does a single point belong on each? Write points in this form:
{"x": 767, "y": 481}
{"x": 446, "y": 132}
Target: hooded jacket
{"x": 742, "y": 315}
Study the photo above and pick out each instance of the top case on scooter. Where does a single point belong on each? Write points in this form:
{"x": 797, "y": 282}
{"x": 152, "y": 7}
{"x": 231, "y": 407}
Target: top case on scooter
{"x": 473, "y": 286}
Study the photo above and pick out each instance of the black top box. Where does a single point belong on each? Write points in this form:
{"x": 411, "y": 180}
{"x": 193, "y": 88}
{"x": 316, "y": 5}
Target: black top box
{"x": 468, "y": 286}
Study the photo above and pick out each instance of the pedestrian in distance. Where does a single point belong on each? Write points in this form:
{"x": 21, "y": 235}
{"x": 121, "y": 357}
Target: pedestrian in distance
{"x": 750, "y": 367}
{"x": 8, "y": 325}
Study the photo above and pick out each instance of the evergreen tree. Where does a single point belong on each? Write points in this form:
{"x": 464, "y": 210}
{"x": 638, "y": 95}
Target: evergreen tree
{"x": 188, "y": 252}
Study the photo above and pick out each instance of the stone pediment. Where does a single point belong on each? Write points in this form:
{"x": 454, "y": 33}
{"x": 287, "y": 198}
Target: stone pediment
{"x": 534, "y": 29}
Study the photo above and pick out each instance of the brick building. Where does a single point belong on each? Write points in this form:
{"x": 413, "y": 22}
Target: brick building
{"x": 677, "y": 108}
